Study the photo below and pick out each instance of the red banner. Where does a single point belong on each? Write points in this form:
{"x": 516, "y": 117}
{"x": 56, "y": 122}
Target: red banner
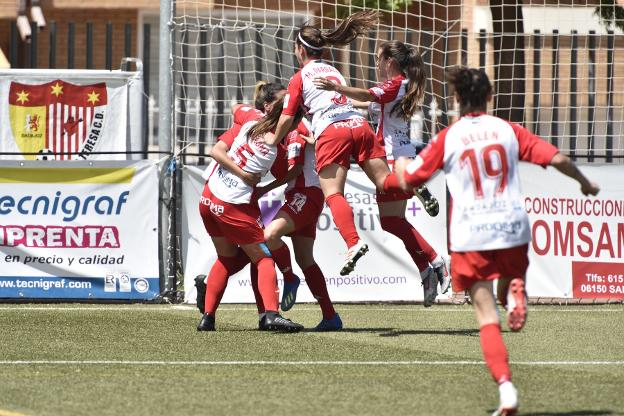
{"x": 597, "y": 280}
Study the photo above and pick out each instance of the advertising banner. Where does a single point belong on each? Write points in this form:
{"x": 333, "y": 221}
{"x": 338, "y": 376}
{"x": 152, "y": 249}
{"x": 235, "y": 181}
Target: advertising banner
{"x": 79, "y": 230}
{"x": 577, "y": 241}
{"x": 69, "y": 112}
{"x": 386, "y": 273}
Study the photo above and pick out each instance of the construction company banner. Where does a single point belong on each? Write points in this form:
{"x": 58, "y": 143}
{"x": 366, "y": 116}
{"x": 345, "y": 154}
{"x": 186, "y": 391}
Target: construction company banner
{"x": 386, "y": 273}
{"x": 577, "y": 245}
{"x": 79, "y": 230}
{"x": 70, "y": 113}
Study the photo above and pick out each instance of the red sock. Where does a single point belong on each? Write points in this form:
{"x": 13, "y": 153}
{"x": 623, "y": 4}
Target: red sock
{"x": 420, "y": 250}
{"x": 343, "y": 218}
{"x": 495, "y": 353}
{"x": 281, "y": 256}
{"x": 253, "y": 274}
{"x": 316, "y": 282}
{"x": 217, "y": 280}
{"x": 391, "y": 183}
{"x": 267, "y": 284}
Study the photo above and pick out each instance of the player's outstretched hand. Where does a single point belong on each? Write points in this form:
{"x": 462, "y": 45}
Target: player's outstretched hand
{"x": 590, "y": 188}
{"x": 324, "y": 84}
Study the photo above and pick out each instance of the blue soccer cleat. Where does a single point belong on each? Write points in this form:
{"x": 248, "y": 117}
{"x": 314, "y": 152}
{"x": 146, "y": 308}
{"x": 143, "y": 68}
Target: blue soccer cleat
{"x": 289, "y": 293}
{"x": 327, "y": 325}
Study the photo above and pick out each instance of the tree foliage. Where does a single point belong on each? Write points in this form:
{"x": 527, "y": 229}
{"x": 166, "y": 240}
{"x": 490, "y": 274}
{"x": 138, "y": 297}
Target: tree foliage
{"x": 610, "y": 14}
{"x": 346, "y": 7}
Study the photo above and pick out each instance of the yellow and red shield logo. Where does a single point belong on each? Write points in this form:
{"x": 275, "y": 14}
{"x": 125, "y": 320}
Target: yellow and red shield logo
{"x": 55, "y": 116}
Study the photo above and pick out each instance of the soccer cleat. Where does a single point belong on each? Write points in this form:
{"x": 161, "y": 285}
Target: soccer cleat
{"x": 328, "y": 325}
{"x": 516, "y": 305}
{"x": 442, "y": 273}
{"x": 353, "y": 255}
{"x": 508, "y": 400}
{"x": 429, "y": 201}
{"x": 430, "y": 286}
{"x": 289, "y": 293}
{"x": 207, "y": 323}
{"x": 262, "y": 326}
{"x": 200, "y": 285}
{"x": 276, "y": 322}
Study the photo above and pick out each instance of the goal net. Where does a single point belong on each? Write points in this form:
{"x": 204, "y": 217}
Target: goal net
{"x": 555, "y": 65}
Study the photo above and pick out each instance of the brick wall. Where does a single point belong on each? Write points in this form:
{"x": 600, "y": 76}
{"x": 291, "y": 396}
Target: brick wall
{"x": 62, "y": 17}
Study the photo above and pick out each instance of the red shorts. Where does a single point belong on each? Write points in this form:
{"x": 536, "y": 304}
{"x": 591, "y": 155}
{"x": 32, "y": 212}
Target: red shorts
{"x": 303, "y": 206}
{"x": 239, "y": 223}
{"x": 470, "y": 266}
{"x": 343, "y": 139}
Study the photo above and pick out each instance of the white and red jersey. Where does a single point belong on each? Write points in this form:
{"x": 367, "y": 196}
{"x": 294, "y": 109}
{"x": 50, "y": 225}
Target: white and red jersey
{"x": 479, "y": 155}
{"x": 392, "y": 130}
{"x": 252, "y": 156}
{"x": 325, "y": 107}
{"x": 301, "y": 153}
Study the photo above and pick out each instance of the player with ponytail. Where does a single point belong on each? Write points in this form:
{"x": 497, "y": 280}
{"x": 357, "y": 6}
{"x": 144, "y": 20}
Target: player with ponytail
{"x": 341, "y": 133}
{"x": 402, "y": 75}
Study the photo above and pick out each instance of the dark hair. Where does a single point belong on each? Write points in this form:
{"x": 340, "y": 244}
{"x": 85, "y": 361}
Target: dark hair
{"x": 472, "y": 87}
{"x": 349, "y": 28}
{"x": 269, "y": 121}
{"x": 265, "y": 92}
{"x": 413, "y": 67}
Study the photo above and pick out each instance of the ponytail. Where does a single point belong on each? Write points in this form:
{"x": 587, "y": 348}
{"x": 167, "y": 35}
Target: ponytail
{"x": 268, "y": 122}
{"x": 357, "y": 24}
{"x": 413, "y": 67}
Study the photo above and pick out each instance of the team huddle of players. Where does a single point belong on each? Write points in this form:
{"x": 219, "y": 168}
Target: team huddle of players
{"x": 308, "y": 134}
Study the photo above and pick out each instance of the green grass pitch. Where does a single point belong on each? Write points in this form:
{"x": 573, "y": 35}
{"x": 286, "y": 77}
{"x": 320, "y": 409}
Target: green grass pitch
{"x": 390, "y": 360}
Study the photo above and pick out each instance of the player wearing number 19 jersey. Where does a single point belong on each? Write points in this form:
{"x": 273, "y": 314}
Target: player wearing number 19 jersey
{"x": 489, "y": 228}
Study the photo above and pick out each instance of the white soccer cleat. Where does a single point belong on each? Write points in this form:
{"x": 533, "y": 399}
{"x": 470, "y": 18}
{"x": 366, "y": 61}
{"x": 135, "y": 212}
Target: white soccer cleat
{"x": 430, "y": 286}
{"x": 353, "y": 255}
{"x": 508, "y": 400}
{"x": 441, "y": 270}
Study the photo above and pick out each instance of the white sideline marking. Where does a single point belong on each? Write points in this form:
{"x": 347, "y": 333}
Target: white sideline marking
{"x": 268, "y": 363}
{"x": 186, "y": 308}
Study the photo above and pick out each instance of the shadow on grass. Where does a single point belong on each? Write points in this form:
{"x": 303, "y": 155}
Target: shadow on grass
{"x": 353, "y": 330}
{"x": 570, "y": 413}
{"x": 461, "y": 332}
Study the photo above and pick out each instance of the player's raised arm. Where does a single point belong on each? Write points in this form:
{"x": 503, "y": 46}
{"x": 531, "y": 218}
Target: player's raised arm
{"x": 564, "y": 165}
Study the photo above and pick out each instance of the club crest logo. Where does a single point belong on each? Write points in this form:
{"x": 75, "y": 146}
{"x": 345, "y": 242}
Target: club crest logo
{"x": 57, "y": 117}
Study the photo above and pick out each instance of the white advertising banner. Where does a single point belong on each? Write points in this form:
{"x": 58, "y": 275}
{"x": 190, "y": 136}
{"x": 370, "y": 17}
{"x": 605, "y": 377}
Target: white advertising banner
{"x": 386, "y": 273}
{"x": 79, "y": 230}
{"x": 578, "y": 241}
{"x": 73, "y": 113}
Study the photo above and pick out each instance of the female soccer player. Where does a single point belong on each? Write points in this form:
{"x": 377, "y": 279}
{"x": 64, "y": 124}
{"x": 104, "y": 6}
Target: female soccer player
{"x": 297, "y": 218}
{"x": 402, "y": 75}
{"x": 232, "y": 217}
{"x": 265, "y": 95}
{"x": 340, "y": 131}
{"x": 489, "y": 230}
{"x": 208, "y": 298}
